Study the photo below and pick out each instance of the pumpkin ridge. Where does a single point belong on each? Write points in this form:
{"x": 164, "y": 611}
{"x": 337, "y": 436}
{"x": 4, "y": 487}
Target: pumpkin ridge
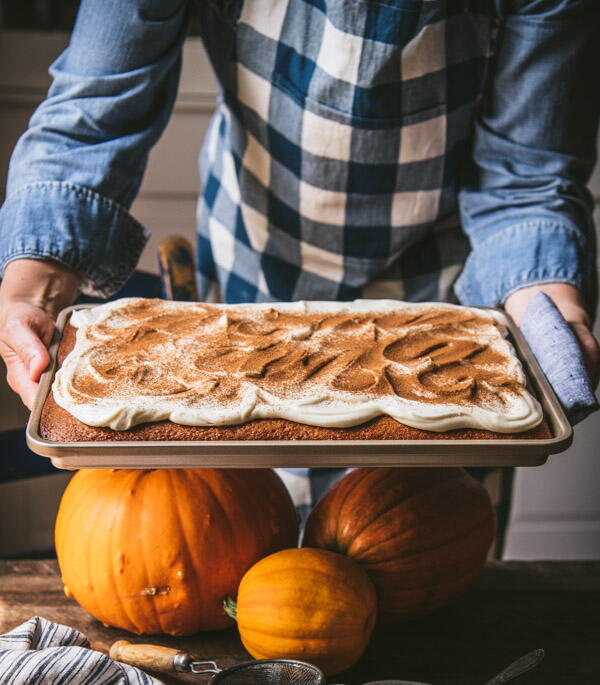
{"x": 325, "y": 605}
{"x": 291, "y": 607}
{"x": 113, "y": 575}
{"x": 321, "y": 572}
{"x": 246, "y": 505}
{"x": 74, "y": 502}
{"x": 302, "y": 638}
{"x": 373, "y": 566}
{"x": 442, "y": 484}
{"x": 277, "y": 478}
{"x": 154, "y": 598}
{"x": 190, "y": 558}
{"x": 264, "y": 529}
{"x": 340, "y": 548}
{"x": 88, "y": 538}
{"x": 352, "y": 639}
{"x": 141, "y": 480}
{"x": 72, "y": 496}
{"x": 216, "y": 494}
{"x": 476, "y": 527}
{"x": 234, "y": 539}
{"x": 173, "y": 483}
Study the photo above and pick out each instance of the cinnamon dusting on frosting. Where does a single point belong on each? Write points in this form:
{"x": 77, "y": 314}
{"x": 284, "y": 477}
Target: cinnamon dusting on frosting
{"x": 433, "y": 366}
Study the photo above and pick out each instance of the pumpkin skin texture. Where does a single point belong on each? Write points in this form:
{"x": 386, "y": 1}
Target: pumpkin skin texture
{"x": 307, "y": 604}
{"x": 422, "y": 535}
{"x": 156, "y": 551}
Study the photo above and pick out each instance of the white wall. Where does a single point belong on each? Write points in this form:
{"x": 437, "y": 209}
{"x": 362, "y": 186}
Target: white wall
{"x": 556, "y": 511}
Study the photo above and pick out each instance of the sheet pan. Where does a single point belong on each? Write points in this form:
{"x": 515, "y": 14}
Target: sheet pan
{"x": 303, "y": 453}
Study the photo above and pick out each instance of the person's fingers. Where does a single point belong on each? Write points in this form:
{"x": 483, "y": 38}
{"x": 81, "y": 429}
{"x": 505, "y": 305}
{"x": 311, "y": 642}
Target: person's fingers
{"x": 32, "y": 292}
{"x": 17, "y": 376}
{"x": 591, "y": 351}
{"x": 26, "y": 337}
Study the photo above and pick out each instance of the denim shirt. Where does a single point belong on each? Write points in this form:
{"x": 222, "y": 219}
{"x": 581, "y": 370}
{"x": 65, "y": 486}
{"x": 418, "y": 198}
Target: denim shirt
{"x": 513, "y": 95}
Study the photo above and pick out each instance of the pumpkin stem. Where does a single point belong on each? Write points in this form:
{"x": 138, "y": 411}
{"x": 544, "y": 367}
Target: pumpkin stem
{"x": 230, "y": 606}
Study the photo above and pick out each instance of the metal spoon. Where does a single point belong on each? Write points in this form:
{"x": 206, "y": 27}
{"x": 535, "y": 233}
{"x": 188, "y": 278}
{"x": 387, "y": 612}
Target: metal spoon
{"x": 518, "y": 667}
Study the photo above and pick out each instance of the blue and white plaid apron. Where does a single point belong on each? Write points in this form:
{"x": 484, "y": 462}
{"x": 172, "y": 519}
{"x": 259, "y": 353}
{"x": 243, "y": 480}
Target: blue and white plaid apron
{"x": 332, "y": 163}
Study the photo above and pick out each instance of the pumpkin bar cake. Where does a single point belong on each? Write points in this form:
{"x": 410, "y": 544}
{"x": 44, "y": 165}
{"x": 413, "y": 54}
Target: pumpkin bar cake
{"x": 147, "y": 369}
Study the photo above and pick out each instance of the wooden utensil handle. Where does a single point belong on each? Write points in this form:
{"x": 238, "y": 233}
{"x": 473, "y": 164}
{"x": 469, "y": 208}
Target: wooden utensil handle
{"x": 150, "y": 657}
{"x": 176, "y": 264}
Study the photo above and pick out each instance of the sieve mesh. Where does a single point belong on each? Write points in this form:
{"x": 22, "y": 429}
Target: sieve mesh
{"x": 270, "y": 672}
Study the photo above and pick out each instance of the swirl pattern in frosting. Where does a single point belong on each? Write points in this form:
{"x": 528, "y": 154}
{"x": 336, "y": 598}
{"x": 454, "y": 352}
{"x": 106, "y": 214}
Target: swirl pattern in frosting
{"x": 429, "y": 366}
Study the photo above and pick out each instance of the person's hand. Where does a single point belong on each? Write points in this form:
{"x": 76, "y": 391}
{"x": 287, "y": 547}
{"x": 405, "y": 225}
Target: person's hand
{"x": 31, "y": 295}
{"x": 569, "y": 302}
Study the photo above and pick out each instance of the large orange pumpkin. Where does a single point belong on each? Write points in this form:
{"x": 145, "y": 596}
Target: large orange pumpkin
{"x": 307, "y": 604}
{"x": 156, "y": 551}
{"x": 421, "y": 534}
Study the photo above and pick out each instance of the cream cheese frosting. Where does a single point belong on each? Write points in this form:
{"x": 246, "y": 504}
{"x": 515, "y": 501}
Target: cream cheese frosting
{"x": 431, "y": 366}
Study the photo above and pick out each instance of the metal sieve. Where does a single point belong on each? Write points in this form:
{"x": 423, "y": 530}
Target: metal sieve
{"x": 266, "y": 672}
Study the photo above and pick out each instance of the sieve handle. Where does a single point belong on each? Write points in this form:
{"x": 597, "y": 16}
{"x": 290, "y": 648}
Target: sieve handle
{"x": 151, "y": 657}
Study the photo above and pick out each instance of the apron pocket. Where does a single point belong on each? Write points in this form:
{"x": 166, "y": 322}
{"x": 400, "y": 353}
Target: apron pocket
{"x": 374, "y": 61}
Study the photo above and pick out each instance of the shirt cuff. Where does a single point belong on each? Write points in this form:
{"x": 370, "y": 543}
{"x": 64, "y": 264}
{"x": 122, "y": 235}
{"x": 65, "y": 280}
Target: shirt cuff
{"x": 526, "y": 254}
{"x": 91, "y": 234}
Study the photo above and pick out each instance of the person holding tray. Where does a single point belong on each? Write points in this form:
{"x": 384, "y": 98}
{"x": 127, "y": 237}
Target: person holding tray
{"x": 415, "y": 150}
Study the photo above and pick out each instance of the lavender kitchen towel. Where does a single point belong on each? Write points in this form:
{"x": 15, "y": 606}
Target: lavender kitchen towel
{"x": 39, "y": 652}
{"x": 556, "y": 348}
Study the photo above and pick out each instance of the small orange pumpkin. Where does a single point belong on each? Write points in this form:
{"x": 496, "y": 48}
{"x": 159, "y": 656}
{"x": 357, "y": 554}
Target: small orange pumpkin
{"x": 156, "y": 551}
{"x": 307, "y": 604}
{"x": 421, "y": 534}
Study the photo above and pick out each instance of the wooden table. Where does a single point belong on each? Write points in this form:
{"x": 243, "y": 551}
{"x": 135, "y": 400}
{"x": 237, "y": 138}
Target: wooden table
{"x": 514, "y": 607}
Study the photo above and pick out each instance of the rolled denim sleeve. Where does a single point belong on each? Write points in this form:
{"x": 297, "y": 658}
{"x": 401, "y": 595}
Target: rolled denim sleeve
{"x": 524, "y": 203}
{"x": 76, "y": 170}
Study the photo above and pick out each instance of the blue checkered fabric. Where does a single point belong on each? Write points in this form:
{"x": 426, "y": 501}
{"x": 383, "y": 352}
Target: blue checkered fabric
{"x": 330, "y": 167}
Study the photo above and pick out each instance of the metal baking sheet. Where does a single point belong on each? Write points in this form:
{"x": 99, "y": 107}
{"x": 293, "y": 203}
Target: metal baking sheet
{"x": 302, "y": 453}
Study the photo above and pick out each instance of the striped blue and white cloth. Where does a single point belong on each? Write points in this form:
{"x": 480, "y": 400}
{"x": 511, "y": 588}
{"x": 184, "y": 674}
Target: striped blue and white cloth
{"x": 39, "y": 652}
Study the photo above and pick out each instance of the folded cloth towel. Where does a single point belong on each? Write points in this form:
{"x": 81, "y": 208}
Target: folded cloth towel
{"x": 556, "y": 348}
{"x": 39, "y": 652}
